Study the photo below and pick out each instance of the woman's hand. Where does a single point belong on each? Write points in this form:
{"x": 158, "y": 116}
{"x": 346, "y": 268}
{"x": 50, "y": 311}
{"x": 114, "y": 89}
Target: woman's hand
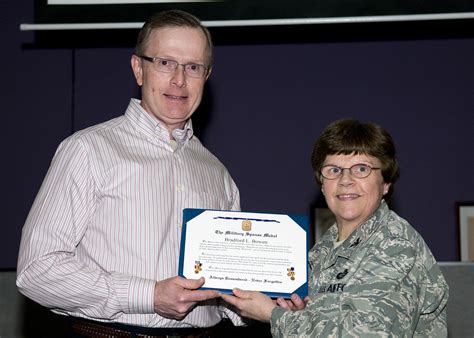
{"x": 294, "y": 303}
{"x": 252, "y": 304}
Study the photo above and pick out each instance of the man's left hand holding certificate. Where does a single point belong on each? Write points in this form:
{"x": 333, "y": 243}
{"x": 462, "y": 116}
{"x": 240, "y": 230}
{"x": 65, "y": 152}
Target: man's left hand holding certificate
{"x": 251, "y": 251}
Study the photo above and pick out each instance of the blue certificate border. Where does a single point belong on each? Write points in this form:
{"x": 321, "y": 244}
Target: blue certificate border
{"x": 301, "y": 220}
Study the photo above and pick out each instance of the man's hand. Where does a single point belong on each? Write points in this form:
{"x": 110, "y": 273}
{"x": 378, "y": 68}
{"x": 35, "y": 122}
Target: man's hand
{"x": 294, "y": 303}
{"x": 176, "y": 297}
{"x": 252, "y": 304}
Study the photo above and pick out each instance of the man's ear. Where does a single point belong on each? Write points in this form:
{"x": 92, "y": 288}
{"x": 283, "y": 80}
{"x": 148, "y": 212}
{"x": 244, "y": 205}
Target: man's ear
{"x": 137, "y": 68}
{"x": 208, "y": 73}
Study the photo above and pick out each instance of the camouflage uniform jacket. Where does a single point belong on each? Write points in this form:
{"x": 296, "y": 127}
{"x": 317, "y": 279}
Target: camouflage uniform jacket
{"x": 382, "y": 281}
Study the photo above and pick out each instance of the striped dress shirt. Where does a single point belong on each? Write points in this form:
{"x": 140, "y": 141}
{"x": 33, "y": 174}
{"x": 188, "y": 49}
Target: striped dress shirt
{"x": 106, "y": 223}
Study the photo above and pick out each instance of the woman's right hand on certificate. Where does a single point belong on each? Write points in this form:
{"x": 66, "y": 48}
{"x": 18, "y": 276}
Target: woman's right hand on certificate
{"x": 294, "y": 303}
{"x": 256, "y": 305}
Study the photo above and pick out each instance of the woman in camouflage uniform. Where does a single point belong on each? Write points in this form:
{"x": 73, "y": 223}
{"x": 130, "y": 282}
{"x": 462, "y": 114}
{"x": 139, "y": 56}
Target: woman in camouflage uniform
{"x": 371, "y": 274}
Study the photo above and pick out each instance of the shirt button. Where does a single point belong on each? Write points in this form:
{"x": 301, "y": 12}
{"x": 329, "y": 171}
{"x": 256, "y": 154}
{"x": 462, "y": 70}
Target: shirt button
{"x": 179, "y": 187}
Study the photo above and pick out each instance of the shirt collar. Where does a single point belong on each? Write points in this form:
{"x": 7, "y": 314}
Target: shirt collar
{"x": 153, "y": 128}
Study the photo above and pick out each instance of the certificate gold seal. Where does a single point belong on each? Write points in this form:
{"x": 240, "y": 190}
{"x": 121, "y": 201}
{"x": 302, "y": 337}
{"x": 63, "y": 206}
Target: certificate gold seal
{"x": 246, "y": 225}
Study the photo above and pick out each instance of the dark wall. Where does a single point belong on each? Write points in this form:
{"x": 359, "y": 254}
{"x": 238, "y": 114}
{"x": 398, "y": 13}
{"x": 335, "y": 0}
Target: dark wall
{"x": 270, "y": 95}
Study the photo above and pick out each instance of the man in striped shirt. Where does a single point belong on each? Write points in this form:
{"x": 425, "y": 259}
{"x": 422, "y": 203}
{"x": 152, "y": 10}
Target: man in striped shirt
{"x": 101, "y": 242}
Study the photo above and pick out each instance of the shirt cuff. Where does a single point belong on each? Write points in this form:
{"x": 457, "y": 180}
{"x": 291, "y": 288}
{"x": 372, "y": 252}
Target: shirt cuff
{"x": 235, "y": 318}
{"x": 135, "y": 295}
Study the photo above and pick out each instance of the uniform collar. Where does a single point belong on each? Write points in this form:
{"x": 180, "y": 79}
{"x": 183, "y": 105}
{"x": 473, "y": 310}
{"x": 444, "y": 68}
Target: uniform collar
{"x": 356, "y": 238}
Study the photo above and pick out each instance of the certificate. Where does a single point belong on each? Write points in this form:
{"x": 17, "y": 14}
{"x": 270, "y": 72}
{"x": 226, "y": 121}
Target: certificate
{"x": 252, "y": 251}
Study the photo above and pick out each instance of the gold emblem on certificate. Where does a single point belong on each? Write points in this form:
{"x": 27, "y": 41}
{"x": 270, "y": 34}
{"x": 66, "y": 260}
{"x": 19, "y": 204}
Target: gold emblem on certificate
{"x": 246, "y": 225}
{"x": 291, "y": 273}
{"x": 197, "y": 266}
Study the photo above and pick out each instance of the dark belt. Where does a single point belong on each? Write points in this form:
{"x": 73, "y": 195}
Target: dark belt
{"x": 88, "y": 328}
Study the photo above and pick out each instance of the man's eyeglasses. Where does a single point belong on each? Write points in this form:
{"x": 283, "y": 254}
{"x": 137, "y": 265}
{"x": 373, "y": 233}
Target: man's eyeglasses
{"x": 191, "y": 69}
{"x": 331, "y": 172}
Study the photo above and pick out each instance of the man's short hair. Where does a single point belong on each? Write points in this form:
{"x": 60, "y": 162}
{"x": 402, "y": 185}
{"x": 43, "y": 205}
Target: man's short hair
{"x": 172, "y": 18}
